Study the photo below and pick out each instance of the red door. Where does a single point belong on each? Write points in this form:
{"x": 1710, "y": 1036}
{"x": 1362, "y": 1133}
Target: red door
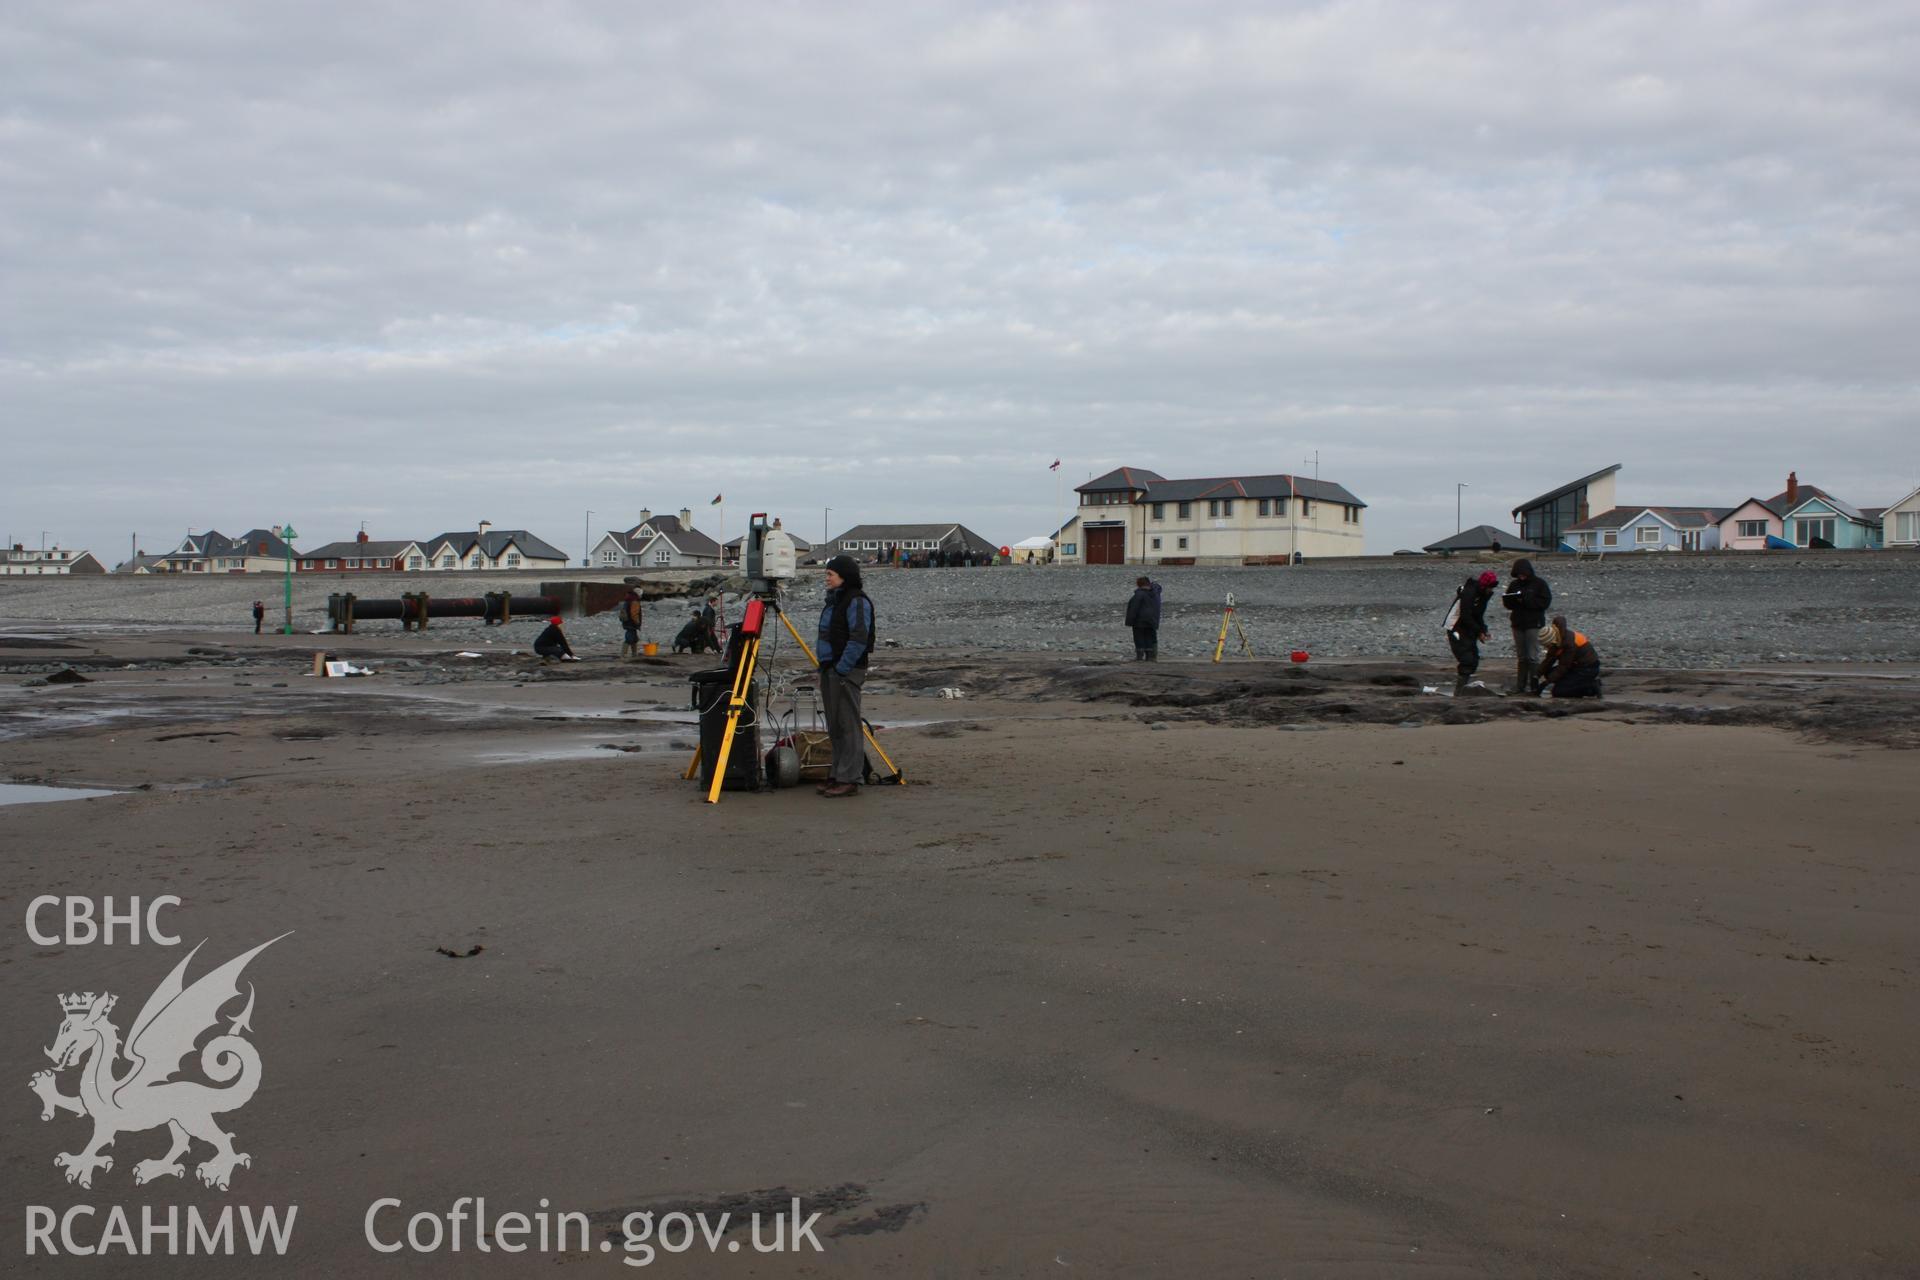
{"x": 1107, "y": 545}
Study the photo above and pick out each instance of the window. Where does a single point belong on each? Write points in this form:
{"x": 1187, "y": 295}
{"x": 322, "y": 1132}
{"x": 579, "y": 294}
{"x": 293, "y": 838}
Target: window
{"x": 446, "y": 561}
{"x": 1183, "y": 544}
{"x": 1352, "y": 515}
{"x": 306, "y": 564}
{"x": 1264, "y": 508}
{"x": 1906, "y": 526}
{"x": 1184, "y": 511}
{"x": 1213, "y": 508}
{"x": 1280, "y": 507}
{"x": 1753, "y": 528}
{"x": 1805, "y": 531}
{"x": 1611, "y": 538}
{"x": 416, "y": 562}
{"x": 1306, "y": 509}
{"x": 333, "y": 564}
{"x": 1071, "y": 549}
{"x": 513, "y": 559}
{"x": 663, "y": 556}
{"x": 1646, "y": 534}
{"x": 1159, "y": 511}
{"x": 610, "y": 557}
{"x": 1156, "y": 544}
{"x": 353, "y": 564}
{"x": 479, "y": 562}
{"x": 1226, "y": 508}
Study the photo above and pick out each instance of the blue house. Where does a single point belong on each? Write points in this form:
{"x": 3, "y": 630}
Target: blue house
{"x": 1647, "y": 529}
{"x": 1826, "y": 521}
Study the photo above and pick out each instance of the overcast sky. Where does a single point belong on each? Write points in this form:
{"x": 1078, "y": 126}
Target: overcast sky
{"x": 417, "y": 265}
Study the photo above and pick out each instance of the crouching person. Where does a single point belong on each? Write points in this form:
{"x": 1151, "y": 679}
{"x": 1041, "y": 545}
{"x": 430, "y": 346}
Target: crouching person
{"x": 552, "y": 645}
{"x": 1570, "y": 665}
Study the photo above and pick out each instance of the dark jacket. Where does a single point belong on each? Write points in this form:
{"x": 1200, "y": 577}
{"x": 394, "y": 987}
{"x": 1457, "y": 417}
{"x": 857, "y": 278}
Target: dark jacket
{"x": 1143, "y": 608}
{"x": 1468, "y": 617}
{"x": 1527, "y": 598}
{"x": 551, "y": 642}
{"x": 1575, "y": 650}
{"x": 846, "y": 630}
{"x": 631, "y": 612}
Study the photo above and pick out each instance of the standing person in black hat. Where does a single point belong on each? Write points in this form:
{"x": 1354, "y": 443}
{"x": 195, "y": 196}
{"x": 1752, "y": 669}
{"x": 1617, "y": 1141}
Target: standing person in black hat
{"x": 259, "y": 616}
{"x": 845, "y": 644}
{"x": 1143, "y": 615}
{"x": 1526, "y": 599}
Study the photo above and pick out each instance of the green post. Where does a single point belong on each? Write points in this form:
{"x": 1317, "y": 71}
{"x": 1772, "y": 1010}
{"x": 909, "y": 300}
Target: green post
{"x": 287, "y": 535}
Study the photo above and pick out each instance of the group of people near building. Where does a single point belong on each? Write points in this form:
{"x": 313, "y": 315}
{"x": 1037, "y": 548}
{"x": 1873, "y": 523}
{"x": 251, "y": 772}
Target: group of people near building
{"x": 946, "y": 557}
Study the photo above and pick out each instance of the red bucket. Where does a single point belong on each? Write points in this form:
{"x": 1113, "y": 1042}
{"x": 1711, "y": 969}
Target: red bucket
{"x": 1299, "y": 655}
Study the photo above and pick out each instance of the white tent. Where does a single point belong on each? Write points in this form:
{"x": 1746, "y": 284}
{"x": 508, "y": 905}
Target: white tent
{"x": 1031, "y": 550}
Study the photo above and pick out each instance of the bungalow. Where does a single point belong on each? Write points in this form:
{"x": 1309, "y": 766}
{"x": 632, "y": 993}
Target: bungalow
{"x": 363, "y": 555}
{"x": 1748, "y": 526}
{"x": 255, "y": 551}
{"x": 1482, "y": 537}
{"x": 21, "y": 562}
{"x": 1828, "y": 522}
{"x": 1647, "y": 529}
{"x": 1900, "y": 523}
{"x": 658, "y": 542}
{"x": 871, "y": 541}
{"x": 487, "y": 548}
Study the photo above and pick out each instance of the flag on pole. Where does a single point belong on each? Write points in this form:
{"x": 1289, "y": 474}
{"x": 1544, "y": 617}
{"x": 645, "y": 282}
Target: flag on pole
{"x": 716, "y": 501}
{"x": 1055, "y": 466}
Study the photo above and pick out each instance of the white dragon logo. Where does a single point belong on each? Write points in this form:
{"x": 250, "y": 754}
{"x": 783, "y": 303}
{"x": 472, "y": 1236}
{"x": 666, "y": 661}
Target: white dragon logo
{"x": 146, "y": 1095}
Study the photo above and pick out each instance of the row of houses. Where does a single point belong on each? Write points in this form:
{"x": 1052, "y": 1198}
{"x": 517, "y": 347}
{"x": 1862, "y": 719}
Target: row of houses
{"x": 21, "y": 561}
{"x": 1585, "y": 516}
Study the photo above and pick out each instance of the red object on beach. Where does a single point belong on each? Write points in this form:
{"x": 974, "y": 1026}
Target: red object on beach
{"x": 1300, "y": 655}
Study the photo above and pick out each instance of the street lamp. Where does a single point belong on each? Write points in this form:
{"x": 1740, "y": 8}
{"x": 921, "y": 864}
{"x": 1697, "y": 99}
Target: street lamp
{"x": 1458, "y": 486}
{"x": 287, "y": 535}
{"x": 586, "y": 543}
{"x": 824, "y": 534}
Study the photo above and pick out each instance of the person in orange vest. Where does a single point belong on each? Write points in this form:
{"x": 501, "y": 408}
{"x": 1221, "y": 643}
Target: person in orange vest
{"x": 1569, "y": 664}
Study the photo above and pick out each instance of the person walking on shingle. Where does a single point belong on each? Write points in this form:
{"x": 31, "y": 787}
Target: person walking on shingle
{"x": 1466, "y": 624}
{"x": 631, "y": 612}
{"x": 1143, "y": 615}
{"x": 1570, "y": 667}
{"x": 845, "y": 644}
{"x": 259, "y": 616}
{"x": 1526, "y": 599}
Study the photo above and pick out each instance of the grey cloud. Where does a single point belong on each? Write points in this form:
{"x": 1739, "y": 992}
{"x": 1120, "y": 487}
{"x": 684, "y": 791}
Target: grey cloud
{"x": 382, "y": 263}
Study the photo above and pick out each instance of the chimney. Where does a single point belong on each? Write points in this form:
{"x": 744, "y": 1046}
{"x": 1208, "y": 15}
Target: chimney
{"x": 686, "y": 518}
{"x": 362, "y": 535}
{"x": 646, "y": 514}
{"x": 1793, "y": 489}
{"x": 485, "y": 526}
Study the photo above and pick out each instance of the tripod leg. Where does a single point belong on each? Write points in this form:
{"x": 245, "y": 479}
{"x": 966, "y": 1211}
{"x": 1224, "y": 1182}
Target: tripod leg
{"x": 693, "y": 766}
{"x": 742, "y": 681}
{"x": 1220, "y": 645}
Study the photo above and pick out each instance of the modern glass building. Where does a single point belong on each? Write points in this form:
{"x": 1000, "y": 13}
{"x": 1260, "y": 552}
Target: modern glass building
{"x": 1545, "y": 520}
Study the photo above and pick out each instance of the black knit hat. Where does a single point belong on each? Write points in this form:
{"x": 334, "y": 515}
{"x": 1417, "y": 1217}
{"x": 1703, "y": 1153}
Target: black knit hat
{"x": 848, "y": 570}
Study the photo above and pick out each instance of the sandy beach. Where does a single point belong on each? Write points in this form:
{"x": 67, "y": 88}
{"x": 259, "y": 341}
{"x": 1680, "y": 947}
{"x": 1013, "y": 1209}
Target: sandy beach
{"x": 1182, "y": 970}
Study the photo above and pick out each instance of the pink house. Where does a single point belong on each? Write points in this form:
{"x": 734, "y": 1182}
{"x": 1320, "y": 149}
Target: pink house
{"x": 1748, "y": 526}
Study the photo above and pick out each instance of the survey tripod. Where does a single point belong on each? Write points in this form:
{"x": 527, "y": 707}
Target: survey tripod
{"x": 751, "y": 631}
{"x": 1231, "y": 619}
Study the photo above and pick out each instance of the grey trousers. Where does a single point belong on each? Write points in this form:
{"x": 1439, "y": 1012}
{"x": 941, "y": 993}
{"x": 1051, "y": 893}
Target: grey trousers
{"x": 1526, "y": 656}
{"x": 841, "y": 696}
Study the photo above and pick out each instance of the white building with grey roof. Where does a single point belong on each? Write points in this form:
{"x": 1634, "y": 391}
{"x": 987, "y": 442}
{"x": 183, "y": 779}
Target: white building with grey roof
{"x": 1134, "y": 516}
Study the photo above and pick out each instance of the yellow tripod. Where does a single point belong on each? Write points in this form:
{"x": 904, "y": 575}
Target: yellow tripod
{"x": 1231, "y": 619}
{"x": 752, "y": 627}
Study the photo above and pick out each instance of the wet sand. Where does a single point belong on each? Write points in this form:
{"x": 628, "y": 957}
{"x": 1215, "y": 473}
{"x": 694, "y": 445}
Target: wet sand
{"x": 1176, "y": 971}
